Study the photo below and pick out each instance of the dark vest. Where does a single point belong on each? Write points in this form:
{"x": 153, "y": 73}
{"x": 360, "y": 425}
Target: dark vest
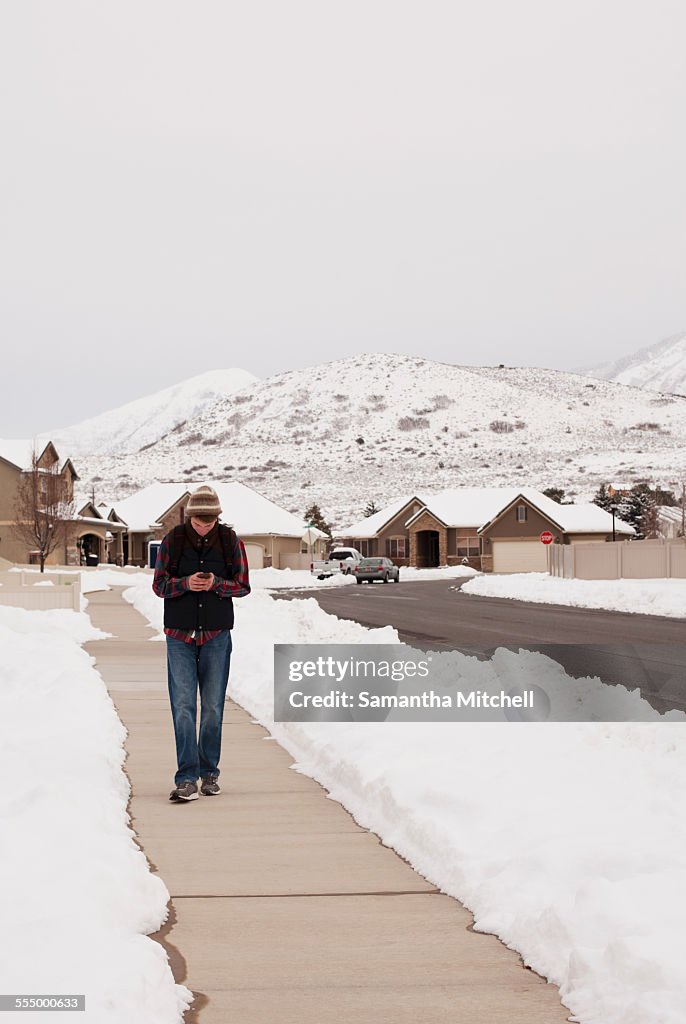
{"x": 202, "y": 609}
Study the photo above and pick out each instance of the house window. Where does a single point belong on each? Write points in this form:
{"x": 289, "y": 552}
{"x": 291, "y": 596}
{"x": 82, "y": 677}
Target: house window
{"x": 396, "y": 547}
{"x": 521, "y": 513}
{"x": 365, "y": 547}
{"x": 468, "y": 547}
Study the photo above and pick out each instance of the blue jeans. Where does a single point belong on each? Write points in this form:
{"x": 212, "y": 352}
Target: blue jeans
{"x": 192, "y": 668}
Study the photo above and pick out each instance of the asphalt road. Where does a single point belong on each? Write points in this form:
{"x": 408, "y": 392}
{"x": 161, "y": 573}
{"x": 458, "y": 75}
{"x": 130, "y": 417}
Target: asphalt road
{"x": 645, "y": 651}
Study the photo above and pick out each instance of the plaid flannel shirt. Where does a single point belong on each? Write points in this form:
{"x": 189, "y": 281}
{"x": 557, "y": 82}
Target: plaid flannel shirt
{"x": 167, "y": 586}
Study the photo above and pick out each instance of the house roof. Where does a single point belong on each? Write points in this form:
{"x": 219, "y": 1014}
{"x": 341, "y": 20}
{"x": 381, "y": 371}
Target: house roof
{"x": 474, "y": 507}
{"x": 590, "y": 518}
{"x": 107, "y": 511}
{"x": 99, "y": 522}
{"x": 82, "y": 502}
{"x": 420, "y": 512}
{"x": 371, "y": 525}
{"x": 670, "y": 513}
{"x": 248, "y": 511}
{"x": 141, "y": 510}
{"x": 585, "y": 518}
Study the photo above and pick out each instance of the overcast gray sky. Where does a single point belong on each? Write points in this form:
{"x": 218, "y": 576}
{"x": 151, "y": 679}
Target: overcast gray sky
{"x": 271, "y": 184}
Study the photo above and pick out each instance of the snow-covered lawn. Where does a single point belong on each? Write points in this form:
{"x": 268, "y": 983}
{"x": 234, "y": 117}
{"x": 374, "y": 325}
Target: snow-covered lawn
{"x": 302, "y": 579}
{"x": 566, "y": 840}
{"x": 77, "y": 898}
{"x": 648, "y": 597}
{"x": 262, "y": 579}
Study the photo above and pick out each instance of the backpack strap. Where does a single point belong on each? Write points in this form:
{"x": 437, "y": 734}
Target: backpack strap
{"x": 227, "y": 537}
{"x": 176, "y": 548}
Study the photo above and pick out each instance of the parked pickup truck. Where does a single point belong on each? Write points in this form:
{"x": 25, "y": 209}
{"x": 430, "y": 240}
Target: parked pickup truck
{"x": 340, "y": 560}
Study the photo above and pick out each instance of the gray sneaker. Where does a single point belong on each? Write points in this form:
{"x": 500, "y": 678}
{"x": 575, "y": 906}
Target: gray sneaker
{"x": 184, "y": 791}
{"x": 209, "y": 785}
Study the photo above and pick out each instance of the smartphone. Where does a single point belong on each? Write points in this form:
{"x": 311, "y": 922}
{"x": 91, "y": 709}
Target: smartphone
{"x": 204, "y": 575}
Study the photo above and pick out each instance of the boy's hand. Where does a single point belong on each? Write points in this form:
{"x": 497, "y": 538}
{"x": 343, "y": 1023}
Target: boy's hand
{"x": 200, "y": 581}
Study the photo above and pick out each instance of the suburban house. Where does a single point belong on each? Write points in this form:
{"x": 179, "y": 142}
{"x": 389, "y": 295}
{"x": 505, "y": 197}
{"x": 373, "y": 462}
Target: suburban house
{"x": 496, "y": 529}
{"x": 16, "y": 460}
{"x": 272, "y": 535}
{"x": 100, "y": 533}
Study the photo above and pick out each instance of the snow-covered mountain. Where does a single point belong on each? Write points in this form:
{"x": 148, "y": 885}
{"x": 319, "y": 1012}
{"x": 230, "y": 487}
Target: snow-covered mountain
{"x": 376, "y": 426}
{"x": 660, "y": 367}
{"x": 145, "y": 420}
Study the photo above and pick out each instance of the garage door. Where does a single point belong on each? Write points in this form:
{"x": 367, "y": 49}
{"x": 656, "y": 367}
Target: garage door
{"x": 519, "y": 556}
{"x": 255, "y": 554}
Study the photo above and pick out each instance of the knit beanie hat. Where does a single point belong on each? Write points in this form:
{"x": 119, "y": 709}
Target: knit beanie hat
{"x": 203, "y": 502}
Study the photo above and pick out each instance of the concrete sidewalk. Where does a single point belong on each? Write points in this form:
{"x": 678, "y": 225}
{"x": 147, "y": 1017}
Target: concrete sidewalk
{"x": 283, "y": 908}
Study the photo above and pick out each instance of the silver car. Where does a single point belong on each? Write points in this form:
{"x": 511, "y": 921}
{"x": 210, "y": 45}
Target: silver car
{"x": 370, "y": 569}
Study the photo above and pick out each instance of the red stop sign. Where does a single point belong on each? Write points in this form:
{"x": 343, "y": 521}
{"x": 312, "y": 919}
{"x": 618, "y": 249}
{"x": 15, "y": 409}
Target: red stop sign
{"x": 547, "y": 537}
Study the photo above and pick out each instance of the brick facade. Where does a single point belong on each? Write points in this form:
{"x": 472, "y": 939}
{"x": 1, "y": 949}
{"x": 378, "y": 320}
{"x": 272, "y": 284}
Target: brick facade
{"x": 420, "y": 551}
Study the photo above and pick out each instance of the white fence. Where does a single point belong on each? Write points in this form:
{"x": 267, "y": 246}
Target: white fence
{"x": 635, "y": 560}
{"x": 39, "y": 591}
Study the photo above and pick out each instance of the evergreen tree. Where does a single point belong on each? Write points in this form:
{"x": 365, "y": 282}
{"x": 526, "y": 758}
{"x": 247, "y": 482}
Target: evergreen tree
{"x": 556, "y": 494}
{"x": 603, "y": 498}
{"x": 370, "y": 508}
{"x": 314, "y": 515}
{"x": 639, "y": 509}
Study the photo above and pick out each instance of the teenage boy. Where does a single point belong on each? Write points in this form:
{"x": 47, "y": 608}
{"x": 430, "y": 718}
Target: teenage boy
{"x": 201, "y": 566}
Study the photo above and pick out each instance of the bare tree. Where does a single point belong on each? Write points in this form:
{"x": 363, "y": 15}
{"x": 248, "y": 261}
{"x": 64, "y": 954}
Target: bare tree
{"x": 43, "y": 509}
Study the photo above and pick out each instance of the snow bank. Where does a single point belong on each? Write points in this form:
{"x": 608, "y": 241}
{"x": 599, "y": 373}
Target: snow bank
{"x": 409, "y": 574}
{"x": 563, "y": 839}
{"x": 647, "y": 597}
{"x": 302, "y": 579}
{"x": 260, "y": 579}
{"x": 103, "y": 579}
{"x": 77, "y": 896}
{"x": 294, "y": 579}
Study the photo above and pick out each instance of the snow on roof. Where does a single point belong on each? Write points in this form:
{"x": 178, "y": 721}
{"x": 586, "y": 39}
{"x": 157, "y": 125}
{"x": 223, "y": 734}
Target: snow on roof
{"x": 672, "y": 513}
{"x": 245, "y": 509}
{"x": 249, "y": 512}
{"x": 590, "y": 518}
{"x": 140, "y": 510}
{"x": 463, "y": 507}
{"x": 81, "y": 500}
{"x": 98, "y": 522}
{"x": 475, "y": 506}
{"x": 370, "y": 526}
{"x": 106, "y": 509}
